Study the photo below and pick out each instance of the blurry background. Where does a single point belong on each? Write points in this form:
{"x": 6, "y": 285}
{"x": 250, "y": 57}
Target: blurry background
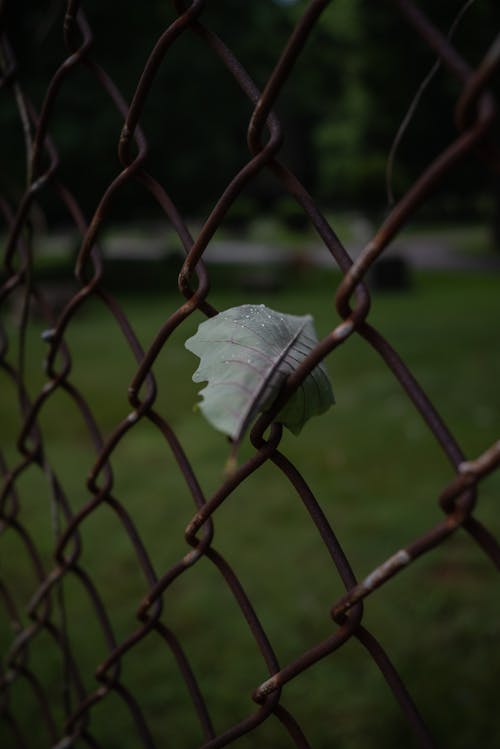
{"x": 341, "y": 108}
{"x": 372, "y": 464}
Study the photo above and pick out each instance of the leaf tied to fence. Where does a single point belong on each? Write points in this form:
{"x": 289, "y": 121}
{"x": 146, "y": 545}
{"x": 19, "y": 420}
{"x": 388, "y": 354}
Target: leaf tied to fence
{"x": 246, "y": 354}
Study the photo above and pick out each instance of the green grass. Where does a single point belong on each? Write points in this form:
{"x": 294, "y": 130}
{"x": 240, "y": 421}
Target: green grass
{"x": 372, "y": 464}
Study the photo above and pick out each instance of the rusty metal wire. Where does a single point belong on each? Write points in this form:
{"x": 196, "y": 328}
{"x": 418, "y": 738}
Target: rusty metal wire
{"x": 47, "y": 611}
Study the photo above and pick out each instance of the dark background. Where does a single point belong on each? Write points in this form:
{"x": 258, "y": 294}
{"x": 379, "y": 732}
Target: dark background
{"x": 340, "y": 110}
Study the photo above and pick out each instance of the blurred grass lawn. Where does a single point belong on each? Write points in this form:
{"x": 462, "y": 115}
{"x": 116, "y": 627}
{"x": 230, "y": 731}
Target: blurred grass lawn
{"x": 376, "y": 471}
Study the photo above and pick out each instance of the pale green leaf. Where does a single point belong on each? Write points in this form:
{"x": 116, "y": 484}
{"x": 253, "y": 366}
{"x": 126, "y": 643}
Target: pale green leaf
{"x": 246, "y": 354}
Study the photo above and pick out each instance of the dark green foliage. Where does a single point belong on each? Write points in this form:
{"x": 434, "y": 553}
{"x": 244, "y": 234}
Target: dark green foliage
{"x": 340, "y": 109}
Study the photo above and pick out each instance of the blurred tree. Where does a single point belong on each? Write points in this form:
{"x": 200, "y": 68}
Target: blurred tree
{"x": 384, "y": 63}
{"x": 340, "y": 108}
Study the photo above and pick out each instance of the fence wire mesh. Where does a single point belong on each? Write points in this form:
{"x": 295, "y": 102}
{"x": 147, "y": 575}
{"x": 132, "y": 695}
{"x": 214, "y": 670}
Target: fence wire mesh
{"x": 56, "y": 559}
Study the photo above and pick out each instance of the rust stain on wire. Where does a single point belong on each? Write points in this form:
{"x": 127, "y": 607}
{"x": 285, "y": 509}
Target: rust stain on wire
{"x": 475, "y": 115}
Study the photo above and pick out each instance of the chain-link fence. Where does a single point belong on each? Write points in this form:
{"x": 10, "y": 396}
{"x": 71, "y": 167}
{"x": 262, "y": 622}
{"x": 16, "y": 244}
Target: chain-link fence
{"x": 81, "y": 688}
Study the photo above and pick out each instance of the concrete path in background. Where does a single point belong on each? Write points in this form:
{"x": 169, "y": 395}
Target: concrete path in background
{"x": 420, "y": 252}
{"x": 431, "y": 252}
{"x": 423, "y": 251}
